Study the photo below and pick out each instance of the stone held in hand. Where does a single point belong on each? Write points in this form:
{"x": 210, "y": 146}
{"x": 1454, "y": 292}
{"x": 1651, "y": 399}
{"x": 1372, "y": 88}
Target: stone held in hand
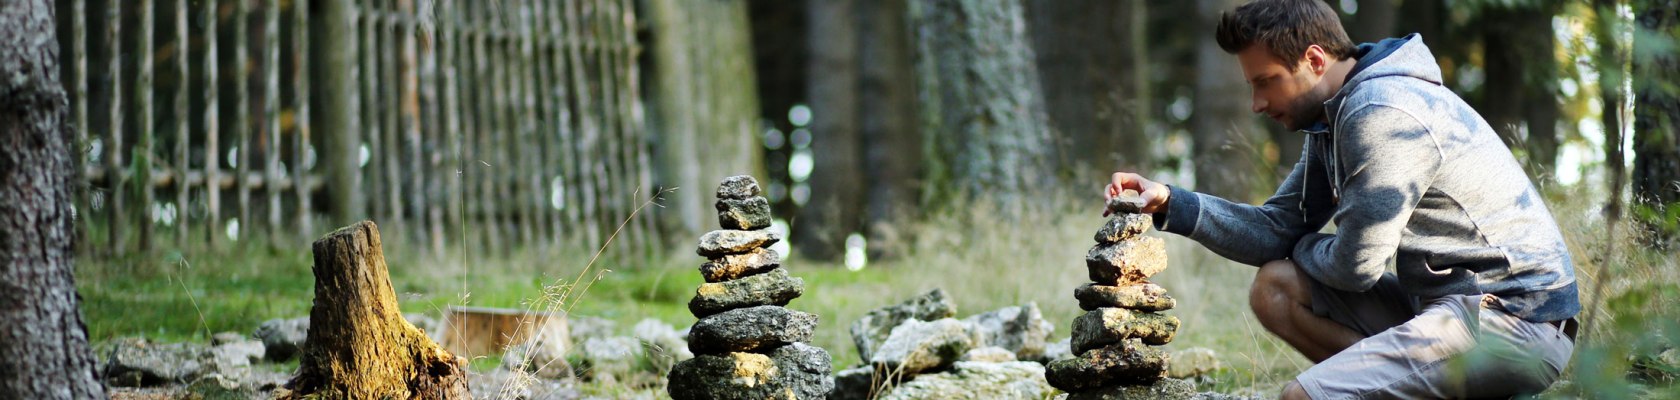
{"x": 737, "y": 266}
{"x": 1123, "y": 227}
{"x": 737, "y": 187}
{"x": 1128, "y": 202}
{"x": 1142, "y": 296}
{"x": 772, "y": 288}
{"x": 1126, "y": 262}
{"x": 731, "y": 241}
{"x": 869, "y": 331}
{"x": 745, "y": 214}
{"x": 1128, "y": 362}
{"x": 752, "y": 329}
{"x": 1105, "y": 326}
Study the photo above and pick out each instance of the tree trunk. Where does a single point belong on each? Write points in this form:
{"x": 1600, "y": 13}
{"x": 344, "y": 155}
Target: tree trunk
{"x": 332, "y": 78}
{"x": 1656, "y": 137}
{"x": 1227, "y": 139}
{"x": 1374, "y": 21}
{"x": 43, "y": 343}
{"x": 1096, "y": 94}
{"x": 892, "y": 144}
{"x": 983, "y": 117}
{"x": 835, "y": 208}
{"x": 704, "y": 108}
{"x": 359, "y": 345}
{"x": 1520, "y": 98}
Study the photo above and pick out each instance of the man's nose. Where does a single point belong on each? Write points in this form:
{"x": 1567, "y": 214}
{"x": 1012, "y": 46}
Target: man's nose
{"x": 1257, "y": 104}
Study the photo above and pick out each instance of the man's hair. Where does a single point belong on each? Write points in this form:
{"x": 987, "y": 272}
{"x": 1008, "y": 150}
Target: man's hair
{"x": 1286, "y": 28}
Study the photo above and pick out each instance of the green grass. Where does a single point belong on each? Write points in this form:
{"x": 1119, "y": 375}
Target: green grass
{"x": 983, "y": 259}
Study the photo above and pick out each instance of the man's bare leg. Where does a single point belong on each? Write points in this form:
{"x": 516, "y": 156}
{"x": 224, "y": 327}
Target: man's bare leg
{"x": 1293, "y": 391}
{"x": 1282, "y": 299}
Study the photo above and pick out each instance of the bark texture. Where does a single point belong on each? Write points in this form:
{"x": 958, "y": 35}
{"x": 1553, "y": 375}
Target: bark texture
{"x": 43, "y": 342}
{"x": 359, "y": 345}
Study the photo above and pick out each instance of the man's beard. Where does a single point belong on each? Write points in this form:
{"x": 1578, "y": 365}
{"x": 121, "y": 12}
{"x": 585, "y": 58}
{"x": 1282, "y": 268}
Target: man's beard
{"x": 1307, "y": 109}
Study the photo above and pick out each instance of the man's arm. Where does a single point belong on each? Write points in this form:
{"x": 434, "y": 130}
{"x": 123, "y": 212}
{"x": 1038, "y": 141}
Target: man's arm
{"x": 1246, "y": 233}
{"x": 1391, "y": 159}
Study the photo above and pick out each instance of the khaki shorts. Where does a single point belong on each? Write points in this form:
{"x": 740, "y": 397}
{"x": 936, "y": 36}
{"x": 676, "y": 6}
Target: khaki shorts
{"x": 1455, "y": 346}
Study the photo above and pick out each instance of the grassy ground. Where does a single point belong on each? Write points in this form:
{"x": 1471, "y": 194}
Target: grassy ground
{"x": 983, "y": 259}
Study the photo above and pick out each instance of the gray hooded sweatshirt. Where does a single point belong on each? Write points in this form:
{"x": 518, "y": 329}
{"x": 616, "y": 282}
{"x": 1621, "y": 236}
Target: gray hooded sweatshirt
{"x": 1408, "y": 172}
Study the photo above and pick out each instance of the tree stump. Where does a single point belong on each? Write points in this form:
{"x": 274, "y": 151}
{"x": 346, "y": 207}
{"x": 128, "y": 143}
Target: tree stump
{"x": 359, "y": 345}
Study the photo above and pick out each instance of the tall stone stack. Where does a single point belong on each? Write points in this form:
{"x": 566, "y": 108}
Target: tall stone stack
{"x": 746, "y": 345}
{"x": 1113, "y": 342}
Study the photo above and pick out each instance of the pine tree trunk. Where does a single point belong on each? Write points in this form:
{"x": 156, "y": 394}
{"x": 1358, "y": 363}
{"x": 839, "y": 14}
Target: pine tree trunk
{"x": 1656, "y": 137}
{"x": 43, "y": 342}
{"x": 1227, "y": 137}
{"x": 359, "y": 345}
{"x": 983, "y": 115}
{"x": 892, "y": 144}
{"x": 835, "y": 209}
{"x": 332, "y": 78}
{"x": 1096, "y": 97}
{"x": 1521, "y": 80}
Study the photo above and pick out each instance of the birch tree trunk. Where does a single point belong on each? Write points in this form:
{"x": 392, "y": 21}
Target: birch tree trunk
{"x": 43, "y": 341}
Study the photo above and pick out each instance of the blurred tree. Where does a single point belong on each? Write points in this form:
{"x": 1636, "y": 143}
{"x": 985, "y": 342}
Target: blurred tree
{"x": 335, "y": 100}
{"x": 703, "y": 104}
{"x": 892, "y": 144}
{"x": 1227, "y": 138}
{"x": 1520, "y": 96}
{"x": 982, "y": 107}
{"x": 1656, "y": 131}
{"x": 1093, "y": 63}
{"x": 835, "y": 209}
{"x": 780, "y": 57}
{"x": 1374, "y": 20}
{"x": 44, "y": 346}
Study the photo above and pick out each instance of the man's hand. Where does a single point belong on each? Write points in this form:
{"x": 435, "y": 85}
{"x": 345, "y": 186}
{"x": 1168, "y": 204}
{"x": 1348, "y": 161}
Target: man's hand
{"x": 1154, "y": 194}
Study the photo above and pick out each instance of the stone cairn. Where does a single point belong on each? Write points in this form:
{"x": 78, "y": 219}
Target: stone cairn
{"x": 1113, "y": 342}
{"x": 746, "y": 345}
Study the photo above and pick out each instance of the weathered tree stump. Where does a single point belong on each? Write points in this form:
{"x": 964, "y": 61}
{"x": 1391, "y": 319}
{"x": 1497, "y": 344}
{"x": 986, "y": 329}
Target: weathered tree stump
{"x": 359, "y": 345}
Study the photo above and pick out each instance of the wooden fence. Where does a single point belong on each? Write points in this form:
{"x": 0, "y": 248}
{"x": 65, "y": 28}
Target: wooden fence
{"x": 501, "y": 123}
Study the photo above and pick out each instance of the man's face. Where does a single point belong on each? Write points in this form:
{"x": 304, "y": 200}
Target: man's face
{"x": 1286, "y": 97}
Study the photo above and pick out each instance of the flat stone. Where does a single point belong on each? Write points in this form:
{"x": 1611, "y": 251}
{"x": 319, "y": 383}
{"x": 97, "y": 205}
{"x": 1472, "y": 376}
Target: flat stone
{"x": 1128, "y": 202}
{"x": 1142, "y": 296}
{"x": 795, "y": 371}
{"x": 1126, "y": 262}
{"x": 1193, "y": 362}
{"x": 773, "y": 288}
{"x": 1165, "y": 389}
{"x": 869, "y": 331}
{"x": 977, "y": 381}
{"x": 736, "y": 266}
{"x": 1128, "y": 362}
{"x": 1123, "y": 227}
{"x": 737, "y": 187}
{"x": 917, "y": 346}
{"x": 1021, "y": 330}
{"x": 1107, "y": 325}
{"x": 747, "y": 214}
{"x": 730, "y": 241}
{"x": 750, "y": 329}
{"x": 137, "y": 362}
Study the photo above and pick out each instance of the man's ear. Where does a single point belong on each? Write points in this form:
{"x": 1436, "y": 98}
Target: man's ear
{"x": 1315, "y": 60}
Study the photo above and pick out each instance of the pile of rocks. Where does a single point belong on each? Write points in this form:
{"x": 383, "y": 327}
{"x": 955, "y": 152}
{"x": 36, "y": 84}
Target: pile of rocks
{"x": 919, "y": 350}
{"x": 746, "y": 345}
{"x": 1112, "y": 342}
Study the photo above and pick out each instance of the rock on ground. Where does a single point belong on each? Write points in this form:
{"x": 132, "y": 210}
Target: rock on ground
{"x": 1127, "y": 262}
{"x": 1143, "y": 296}
{"x": 977, "y": 380}
{"x": 750, "y": 329}
{"x": 737, "y": 266}
{"x": 662, "y": 344}
{"x": 854, "y": 384}
{"x": 1125, "y": 362}
{"x": 745, "y": 214}
{"x": 992, "y": 354}
{"x": 730, "y": 241}
{"x": 1107, "y": 325}
{"x": 1165, "y": 389}
{"x": 774, "y": 288}
{"x": 283, "y": 338}
{"x": 1193, "y": 362}
{"x": 1020, "y": 330}
{"x": 136, "y": 362}
{"x": 870, "y": 330}
{"x": 916, "y": 346}
{"x": 794, "y": 371}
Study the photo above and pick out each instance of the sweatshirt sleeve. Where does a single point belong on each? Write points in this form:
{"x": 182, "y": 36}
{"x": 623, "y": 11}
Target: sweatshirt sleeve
{"x": 1253, "y": 234}
{"x": 1388, "y": 158}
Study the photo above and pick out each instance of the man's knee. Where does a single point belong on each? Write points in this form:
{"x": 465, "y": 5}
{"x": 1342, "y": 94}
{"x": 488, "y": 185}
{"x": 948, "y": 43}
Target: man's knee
{"x": 1277, "y": 286}
{"x": 1294, "y": 391}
